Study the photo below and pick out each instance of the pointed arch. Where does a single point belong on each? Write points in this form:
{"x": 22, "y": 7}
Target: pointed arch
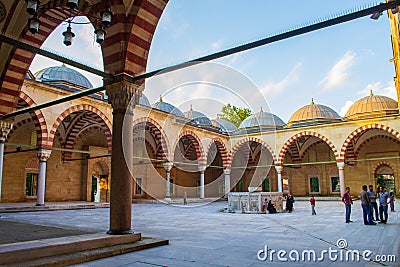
{"x": 287, "y": 144}
{"x": 101, "y": 119}
{"x": 348, "y": 141}
{"x": 221, "y": 148}
{"x": 250, "y": 139}
{"x": 197, "y": 145}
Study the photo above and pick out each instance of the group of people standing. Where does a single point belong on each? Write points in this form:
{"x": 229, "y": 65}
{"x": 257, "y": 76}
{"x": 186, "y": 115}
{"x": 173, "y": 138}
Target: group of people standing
{"x": 369, "y": 204}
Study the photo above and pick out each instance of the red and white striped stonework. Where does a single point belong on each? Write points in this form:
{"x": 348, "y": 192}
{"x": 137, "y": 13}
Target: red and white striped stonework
{"x": 222, "y": 150}
{"x": 246, "y": 140}
{"x": 162, "y": 150}
{"x": 195, "y": 145}
{"x": 349, "y": 140}
{"x": 100, "y": 119}
{"x": 125, "y": 49}
{"x": 286, "y": 146}
{"x": 380, "y": 163}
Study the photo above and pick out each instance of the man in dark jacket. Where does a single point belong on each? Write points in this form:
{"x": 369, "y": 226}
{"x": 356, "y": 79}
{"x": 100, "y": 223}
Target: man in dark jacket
{"x": 366, "y": 206}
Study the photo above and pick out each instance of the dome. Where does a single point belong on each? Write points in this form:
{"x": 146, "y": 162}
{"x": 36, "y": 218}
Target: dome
{"x": 372, "y": 106}
{"x": 224, "y": 125}
{"x": 198, "y": 117}
{"x": 313, "y": 113}
{"x": 62, "y": 74}
{"x": 262, "y": 119}
{"x": 144, "y": 101}
{"x": 166, "y": 107}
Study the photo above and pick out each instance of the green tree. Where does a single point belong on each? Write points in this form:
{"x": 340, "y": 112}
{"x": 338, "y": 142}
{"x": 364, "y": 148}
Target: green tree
{"x": 234, "y": 114}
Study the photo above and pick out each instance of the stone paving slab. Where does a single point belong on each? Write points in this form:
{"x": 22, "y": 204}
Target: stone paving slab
{"x": 201, "y": 236}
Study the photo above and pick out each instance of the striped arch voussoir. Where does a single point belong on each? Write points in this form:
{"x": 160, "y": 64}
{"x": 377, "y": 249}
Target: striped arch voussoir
{"x": 222, "y": 149}
{"x": 164, "y": 139}
{"x": 202, "y": 159}
{"x": 77, "y": 108}
{"x": 362, "y": 129}
{"x": 377, "y": 165}
{"x": 250, "y": 139}
{"x": 286, "y": 146}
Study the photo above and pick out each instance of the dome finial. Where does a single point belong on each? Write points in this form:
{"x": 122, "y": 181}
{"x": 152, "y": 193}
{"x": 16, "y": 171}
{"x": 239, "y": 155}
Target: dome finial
{"x": 191, "y": 107}
{"x": 161, "y": 99}
{"x": 63, "y": 65}
{"x": 312, "y": 101}
{"x": 370, "y": 92}
{"x": 261, "y": 110}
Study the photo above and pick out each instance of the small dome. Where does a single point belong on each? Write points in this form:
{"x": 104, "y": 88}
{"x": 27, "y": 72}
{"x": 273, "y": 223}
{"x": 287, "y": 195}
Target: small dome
{"x": 372, "y": 106}
{"x": 166, "y": 107}
{"x": 262, "y": 119}
{"x": 198, "y": 117}
{"x": 224, "y": 125}
{"x": 144, "y": 101}
{"x": 62, "y": 74}
{"x": 314, "y": 113}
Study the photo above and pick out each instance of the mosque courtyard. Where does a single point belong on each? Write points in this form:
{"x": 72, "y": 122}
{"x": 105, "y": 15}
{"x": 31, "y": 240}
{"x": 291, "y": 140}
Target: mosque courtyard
{"x": 202, "y": 235}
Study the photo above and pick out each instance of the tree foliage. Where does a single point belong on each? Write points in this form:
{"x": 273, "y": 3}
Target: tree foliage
{"x": 234, "y": 114}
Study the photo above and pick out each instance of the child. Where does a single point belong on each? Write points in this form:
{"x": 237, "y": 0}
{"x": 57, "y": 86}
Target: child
{"x": 391, "y": 201}
{"x": 312, "y": 202}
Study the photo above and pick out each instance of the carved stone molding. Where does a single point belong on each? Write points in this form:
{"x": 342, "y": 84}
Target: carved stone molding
{"x": 123, "y": 95}
{"x": 6, "y": 127}
{"x": 43, "y": 154}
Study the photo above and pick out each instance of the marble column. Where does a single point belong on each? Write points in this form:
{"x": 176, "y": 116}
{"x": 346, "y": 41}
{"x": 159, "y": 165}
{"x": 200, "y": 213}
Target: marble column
{"x": 5, "y": 128}
{"x": 123, "y": 97}
{"x": 340, "y": 166}
{"x": 202, "y": 170}
{"x": 168, "y": 166}
{"x": 279, "y": 172}
{"x": 227, "y": 173}
{"x": 43, "y": 155}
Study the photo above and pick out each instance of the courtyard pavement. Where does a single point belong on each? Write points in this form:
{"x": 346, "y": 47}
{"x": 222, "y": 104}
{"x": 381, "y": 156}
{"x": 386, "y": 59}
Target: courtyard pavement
{"x": 201, "y": 235}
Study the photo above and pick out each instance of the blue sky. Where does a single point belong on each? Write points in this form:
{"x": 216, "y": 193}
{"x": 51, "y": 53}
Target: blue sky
{"x": 335, "y": 66}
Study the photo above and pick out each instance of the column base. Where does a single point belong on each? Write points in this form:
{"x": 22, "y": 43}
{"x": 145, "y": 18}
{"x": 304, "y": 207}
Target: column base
{"x": 119, "y": 232}
{"x": 167, "y": 199}
{"x": 40, "y": 205}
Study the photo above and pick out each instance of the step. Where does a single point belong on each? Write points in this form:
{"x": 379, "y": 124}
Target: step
{"x": 31, "y": 250}
{"x": 93, "y": 254}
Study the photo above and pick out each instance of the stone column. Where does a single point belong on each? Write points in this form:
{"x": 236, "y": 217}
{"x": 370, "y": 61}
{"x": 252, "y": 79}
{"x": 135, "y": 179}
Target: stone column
{"x": 168, "y": 166}
{"x": 123, "y": 96}
{"x": 340, "y": 166}
{"x": 43, "y": 155}
{"x": 279, "y": 171}
{"x": 5, "y": 128}
{"x": 227, "y": 173}
{"x": 202, "y": 169}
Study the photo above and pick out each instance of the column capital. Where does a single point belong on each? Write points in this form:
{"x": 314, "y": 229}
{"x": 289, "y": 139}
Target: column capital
{"x": 43, "y": 154}
{"x": 5, "y": 128}
{"x": 123, "y": 95}
{"x": 202, "y": 168}
{"x": 278, "y": 169}
{"x": 340, "y": 165}
{"x": 227, "y": 171}
{"x": 168, "y": 166}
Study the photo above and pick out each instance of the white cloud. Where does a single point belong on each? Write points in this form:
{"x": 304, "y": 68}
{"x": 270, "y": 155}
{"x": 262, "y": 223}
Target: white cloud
{"x": 379, "y": 89}
{"x": 346, "y": 107}
{"x": 273, "y": 88}
{"x": 339, "y": 73}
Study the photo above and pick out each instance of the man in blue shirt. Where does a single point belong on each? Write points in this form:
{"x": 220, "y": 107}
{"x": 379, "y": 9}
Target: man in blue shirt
{"x": 383, "y": 202}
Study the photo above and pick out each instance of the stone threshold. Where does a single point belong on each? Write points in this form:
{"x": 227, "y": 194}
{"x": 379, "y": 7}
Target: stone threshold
{"x": 64, "y": 251}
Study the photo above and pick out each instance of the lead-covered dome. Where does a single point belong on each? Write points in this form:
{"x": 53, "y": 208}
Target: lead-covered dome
{"x": 224, "y": 125}
{"x": 144, "y": 101}
{"x": 312, "y": 114}
{"x": 62, "y": 74}
{"x": 262, "y": 119}
{"x": 372, "y": 106}
{"x": 167, "y": 107}
{"x": 198, "y": 117}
